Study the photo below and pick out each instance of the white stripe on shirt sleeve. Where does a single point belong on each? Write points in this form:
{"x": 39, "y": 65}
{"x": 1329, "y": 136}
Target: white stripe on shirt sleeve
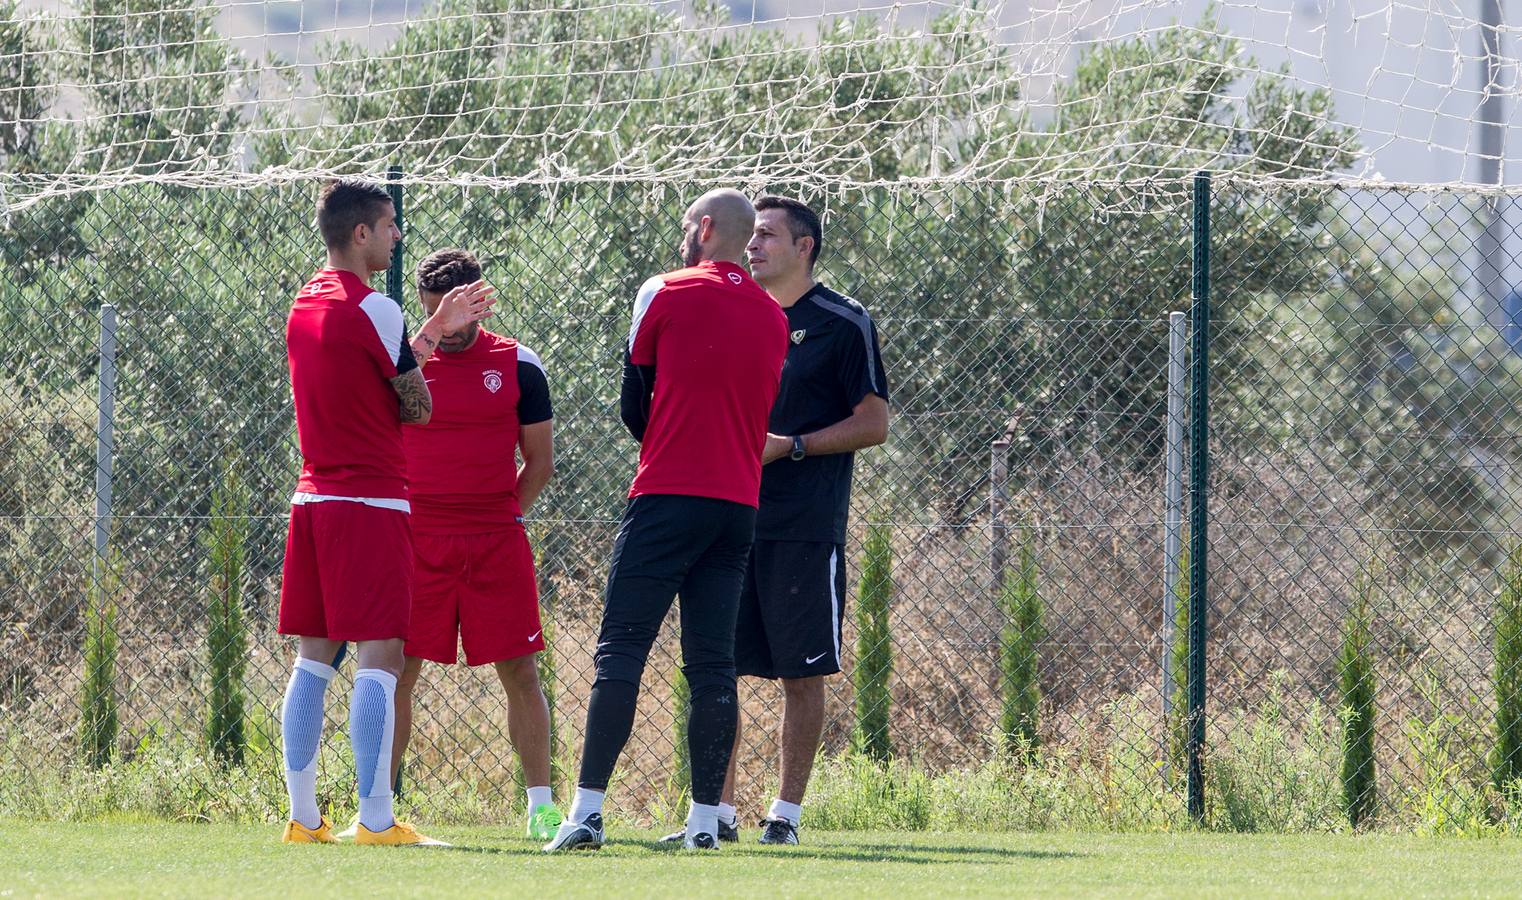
{"x": 386, "y": 316}
{"x": 532, "y": 358}
{"x": 647, "y": 292}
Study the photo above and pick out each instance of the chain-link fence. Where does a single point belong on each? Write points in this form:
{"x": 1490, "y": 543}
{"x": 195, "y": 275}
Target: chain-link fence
{"x": 1364, "y": 469}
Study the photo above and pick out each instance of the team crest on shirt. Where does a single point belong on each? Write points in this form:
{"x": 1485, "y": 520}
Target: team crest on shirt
{"x": 799, "y": 335}
{"x": 492, "y": 379}
{"x": 735, "y": 278}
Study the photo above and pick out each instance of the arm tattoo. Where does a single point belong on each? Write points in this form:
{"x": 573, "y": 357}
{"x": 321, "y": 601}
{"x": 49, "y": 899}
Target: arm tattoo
{"x": 416, "y": 400}
{"x": 423, "y": 347}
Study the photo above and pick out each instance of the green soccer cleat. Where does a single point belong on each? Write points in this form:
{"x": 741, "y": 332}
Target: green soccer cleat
{"x": 543, "y": 820}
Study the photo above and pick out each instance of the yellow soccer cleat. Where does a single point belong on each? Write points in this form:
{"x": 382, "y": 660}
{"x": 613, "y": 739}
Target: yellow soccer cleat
{"x": 400, "y": 834}
{"x": 297, "y": 833}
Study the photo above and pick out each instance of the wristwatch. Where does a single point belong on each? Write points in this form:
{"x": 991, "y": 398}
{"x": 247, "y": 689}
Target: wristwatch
{"x": 797, "y": 453}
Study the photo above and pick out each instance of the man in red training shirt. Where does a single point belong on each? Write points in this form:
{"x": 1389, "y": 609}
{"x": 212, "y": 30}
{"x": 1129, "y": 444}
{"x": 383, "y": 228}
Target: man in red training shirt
{"x": 702, "y": 365}
{"x": 355, "y": 378}
{"x": 474, "y": 567}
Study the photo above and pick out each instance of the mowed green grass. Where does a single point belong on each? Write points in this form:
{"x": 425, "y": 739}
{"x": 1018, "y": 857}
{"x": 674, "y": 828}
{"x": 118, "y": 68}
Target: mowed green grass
{"x": 216, "y": 861}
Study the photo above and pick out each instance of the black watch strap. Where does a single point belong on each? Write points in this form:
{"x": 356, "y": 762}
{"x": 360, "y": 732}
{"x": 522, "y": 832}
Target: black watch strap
{"x": 798, "y": 452}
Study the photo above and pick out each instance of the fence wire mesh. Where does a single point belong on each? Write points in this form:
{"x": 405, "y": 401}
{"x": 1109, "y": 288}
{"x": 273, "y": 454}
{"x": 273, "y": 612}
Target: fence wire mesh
{"x": 1364, "y": 411}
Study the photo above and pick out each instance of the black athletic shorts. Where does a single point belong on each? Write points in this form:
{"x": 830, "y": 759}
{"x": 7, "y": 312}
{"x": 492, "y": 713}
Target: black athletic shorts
{"x": 792, "y": 604}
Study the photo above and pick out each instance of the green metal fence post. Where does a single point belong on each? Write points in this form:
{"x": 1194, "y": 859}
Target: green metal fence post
{"x": 1199, "y": 507}
{"x": 394, "y": 289}
{"x": 394, "y": 278}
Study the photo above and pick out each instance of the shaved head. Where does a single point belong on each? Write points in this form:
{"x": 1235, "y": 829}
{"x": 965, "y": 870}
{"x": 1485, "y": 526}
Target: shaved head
{"x": 717, "y": 225}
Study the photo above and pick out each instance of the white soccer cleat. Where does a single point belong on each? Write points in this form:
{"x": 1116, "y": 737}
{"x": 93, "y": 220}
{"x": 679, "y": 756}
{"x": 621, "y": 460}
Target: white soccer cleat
{"x": 586, "y": 835}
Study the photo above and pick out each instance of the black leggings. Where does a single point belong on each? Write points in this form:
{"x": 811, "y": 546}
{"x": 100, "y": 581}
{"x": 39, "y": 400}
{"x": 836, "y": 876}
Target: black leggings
{"x": 669, "y": 545}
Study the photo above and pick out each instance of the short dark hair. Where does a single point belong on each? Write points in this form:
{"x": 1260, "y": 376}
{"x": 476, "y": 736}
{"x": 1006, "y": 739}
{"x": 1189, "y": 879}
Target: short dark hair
{"x": 345, "y": 203}
{"x": 801, "y": 221}
{"x": 444, "y": 270}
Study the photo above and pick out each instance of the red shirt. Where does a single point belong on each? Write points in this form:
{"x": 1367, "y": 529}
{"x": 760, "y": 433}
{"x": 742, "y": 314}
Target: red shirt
{"x": 462, "y": 466}
{"x": 345, "y": 343}
{"x": 717, "y": 341}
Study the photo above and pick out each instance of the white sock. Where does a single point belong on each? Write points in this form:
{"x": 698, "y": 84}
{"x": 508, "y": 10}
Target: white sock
{"x": 781, "y": 809}
{"x": 586, "y": 804}
{"x": 301, "y": 719}
{"x": 727, "y": 813}
{"x": 538, "y": 796}
{"x": 372, "y": 724}
{"x": 703, "y": 819}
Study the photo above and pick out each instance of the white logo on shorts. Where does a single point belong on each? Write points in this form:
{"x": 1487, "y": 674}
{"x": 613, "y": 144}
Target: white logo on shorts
{"x": 735, "y": 277}
{"x": 492, "y": 379}
{"x": 810, "y": 661}
{"x": 535, "y": 636}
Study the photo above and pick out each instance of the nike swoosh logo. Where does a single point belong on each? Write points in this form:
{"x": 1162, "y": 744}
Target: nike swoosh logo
{"x": 535, "y": 636}
{"x": 811, "y": 661}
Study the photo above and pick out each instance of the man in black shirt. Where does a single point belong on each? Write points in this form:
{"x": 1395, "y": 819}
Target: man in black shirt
{"x": 832, "y": 402}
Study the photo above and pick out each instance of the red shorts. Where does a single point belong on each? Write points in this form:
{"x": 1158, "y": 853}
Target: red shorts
{"x": 348, "y": 572}
{"x": 477, "y": 590}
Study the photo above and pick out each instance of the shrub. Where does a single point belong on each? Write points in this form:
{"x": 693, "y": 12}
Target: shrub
{"x": 1356, "y": 676}
{"x": 1506, "y": 758}
{"x": 227, "y": 629}
{"x": 874, "y": 649}
{"x": 681, "y": 717}
{"x": 98, "y": 723}
{"x": 1024, "y": 629}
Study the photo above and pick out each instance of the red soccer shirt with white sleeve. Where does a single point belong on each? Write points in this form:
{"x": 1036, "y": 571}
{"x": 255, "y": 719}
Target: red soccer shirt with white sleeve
{"x": 717, "y": 341}
{"x": 462, "y": 466}
{"x": 344, "y": 344}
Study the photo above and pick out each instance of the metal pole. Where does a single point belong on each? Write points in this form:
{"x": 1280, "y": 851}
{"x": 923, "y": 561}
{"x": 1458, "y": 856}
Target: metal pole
{"x": 394, "y": 277}
{"x": 1199, "y": 474}
{"x": 1490, "y": 272}
{"x": 1173, "y": 510}
{"x": 105, "y": 421}
{"x": 998, "y": 498}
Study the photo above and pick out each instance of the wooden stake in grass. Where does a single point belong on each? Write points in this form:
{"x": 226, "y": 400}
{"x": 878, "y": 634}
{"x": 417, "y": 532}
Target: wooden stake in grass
{"x": 226, "y": 630}
{"x": 1355, "y": 664}
{"x": 1506, "y": 757}
{"x": 874, "y": 647}
{"x": 1024, "y": 629}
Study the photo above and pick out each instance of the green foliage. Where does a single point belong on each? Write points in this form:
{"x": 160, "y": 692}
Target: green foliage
{"x": 28, "y": 89}
{"x": 160, "y": 81}
{"x": 1355, "y": 664}
{"x": 1019, "y": 656}
{"x": 1506, "y": 759}
{"x": 874, "y": 647}
{"x": 681, "y": 719}
{"x": 1276, "y": 770}
{"x": 1446, "y": 796}
{"x": 98, "y": 723}
{"x": 226, "y": 625}
{"x": 1178, "y": 724}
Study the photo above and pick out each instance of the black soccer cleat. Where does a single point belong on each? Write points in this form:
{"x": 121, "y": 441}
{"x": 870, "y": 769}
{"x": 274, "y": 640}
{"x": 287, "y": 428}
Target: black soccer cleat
{"x": 729, "y": 833}
{"x": 701, "y": 841}
{"x": 778, "y": 831}
{"x": 586, "y": 835}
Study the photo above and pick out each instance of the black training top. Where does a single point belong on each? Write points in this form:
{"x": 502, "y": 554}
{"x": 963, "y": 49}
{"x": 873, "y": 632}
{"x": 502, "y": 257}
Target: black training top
{"x": 833, "y": 362}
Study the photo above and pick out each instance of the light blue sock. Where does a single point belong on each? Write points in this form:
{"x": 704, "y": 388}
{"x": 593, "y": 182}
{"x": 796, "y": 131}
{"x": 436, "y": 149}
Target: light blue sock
{"x": 372, "y": 721}
{"x": 300, "y": 733}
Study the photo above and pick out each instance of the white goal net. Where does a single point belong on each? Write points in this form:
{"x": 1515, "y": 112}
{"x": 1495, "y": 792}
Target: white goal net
{"x": 96, "y": 93}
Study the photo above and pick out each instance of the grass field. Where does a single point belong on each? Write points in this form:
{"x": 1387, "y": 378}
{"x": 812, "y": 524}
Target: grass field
{"x": 214, "y": 860}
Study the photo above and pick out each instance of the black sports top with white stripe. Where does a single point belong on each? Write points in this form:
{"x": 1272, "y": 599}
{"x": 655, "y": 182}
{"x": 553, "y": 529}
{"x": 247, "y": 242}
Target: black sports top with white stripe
{"x": 833, "y": 361}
